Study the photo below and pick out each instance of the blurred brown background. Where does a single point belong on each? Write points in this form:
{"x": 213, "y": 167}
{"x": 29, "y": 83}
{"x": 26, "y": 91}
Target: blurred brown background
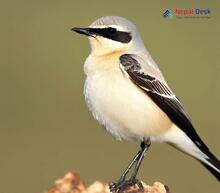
{"x": 45, "y": 126}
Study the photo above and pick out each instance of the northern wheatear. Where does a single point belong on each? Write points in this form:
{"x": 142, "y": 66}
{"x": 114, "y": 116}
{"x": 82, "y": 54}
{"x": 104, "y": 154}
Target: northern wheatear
{"x": 128, "y": 95}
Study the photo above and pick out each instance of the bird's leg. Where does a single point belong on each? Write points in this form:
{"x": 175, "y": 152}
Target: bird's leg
{"x": 122, "y": 183}
{"x": 116, "y": 186}
{"x": 144, "y": 147}
{"x": 122, "y": 178}
{"x": 133, "y": 180}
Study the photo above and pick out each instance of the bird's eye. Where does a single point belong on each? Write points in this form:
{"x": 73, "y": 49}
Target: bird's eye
{"x": 112, "y": 30}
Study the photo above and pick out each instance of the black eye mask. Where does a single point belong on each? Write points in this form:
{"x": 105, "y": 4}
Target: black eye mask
{"x": 112, "y": 33}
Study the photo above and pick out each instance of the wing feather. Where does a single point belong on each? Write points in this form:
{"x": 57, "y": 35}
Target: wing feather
{"x": 162, "y": 95}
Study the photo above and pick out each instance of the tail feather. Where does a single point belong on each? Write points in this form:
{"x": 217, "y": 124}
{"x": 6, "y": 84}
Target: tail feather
{"x": 212, "y": 164}
{"x": 196, "y": 149}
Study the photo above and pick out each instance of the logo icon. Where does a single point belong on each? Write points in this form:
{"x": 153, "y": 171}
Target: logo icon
{"x": 168, "y": 14}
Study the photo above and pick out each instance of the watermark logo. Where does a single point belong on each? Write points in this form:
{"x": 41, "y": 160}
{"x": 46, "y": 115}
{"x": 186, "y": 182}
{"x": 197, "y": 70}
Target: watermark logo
{"x": 187, "y": 13}
{"x": 168, "y": 14}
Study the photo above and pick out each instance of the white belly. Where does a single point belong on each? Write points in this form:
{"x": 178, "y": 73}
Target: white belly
{"x": 124, "y": 110}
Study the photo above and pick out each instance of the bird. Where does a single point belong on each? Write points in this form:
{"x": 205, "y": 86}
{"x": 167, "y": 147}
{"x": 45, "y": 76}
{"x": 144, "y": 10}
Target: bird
{"x": 129, "y": 96}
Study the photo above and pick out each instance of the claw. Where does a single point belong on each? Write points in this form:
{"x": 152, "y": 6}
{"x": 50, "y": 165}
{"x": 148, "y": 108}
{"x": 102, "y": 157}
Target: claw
{"x": 113, "y": 187}
{"x": 122, "y": 185}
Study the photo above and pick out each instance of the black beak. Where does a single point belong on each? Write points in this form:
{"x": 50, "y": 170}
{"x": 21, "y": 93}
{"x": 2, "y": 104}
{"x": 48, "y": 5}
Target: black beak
{"x": 84, "y": 31}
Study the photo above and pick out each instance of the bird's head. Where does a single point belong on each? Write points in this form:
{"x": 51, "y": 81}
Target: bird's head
{"x": 111, "y": 34}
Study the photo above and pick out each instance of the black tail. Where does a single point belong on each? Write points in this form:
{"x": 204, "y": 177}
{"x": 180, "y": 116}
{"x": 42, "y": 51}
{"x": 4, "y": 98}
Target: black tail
{"x": 213, "y": 165}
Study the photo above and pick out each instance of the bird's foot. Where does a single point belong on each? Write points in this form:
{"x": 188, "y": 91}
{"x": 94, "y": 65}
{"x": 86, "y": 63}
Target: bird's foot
{"x": 121, "y": 185}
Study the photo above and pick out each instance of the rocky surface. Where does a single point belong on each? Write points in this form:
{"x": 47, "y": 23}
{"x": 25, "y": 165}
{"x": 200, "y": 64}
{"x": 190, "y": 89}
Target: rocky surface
{"x": 72, "y": 183}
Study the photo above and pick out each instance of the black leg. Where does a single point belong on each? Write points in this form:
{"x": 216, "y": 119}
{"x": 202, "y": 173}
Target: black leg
{"x": 144, "y": 147}
{"x": 122, "y": 178}
{"x": 122, "y": 183}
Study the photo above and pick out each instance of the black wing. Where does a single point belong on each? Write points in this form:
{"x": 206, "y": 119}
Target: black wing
{"x": 162, "y": 96}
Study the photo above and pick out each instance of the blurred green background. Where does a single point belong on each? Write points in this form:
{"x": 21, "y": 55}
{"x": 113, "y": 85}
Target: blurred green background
{"x": 46, "y": 129}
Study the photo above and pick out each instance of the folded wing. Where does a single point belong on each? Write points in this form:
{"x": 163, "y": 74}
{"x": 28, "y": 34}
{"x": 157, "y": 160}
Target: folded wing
{"x": 161, "y": 94}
